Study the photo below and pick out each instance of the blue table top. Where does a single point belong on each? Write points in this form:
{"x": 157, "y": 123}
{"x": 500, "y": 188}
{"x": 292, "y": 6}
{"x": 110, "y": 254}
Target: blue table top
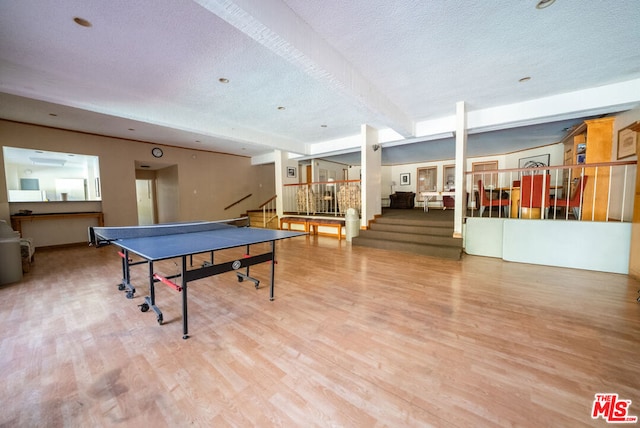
{"x": 163, "y": 247}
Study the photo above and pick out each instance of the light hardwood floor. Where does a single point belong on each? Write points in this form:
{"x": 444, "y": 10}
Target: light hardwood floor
{"x": 356, "y": 337}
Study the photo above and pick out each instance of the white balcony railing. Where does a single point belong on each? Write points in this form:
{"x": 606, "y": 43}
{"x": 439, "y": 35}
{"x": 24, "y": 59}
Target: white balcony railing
{"x": 322, "y": 198}
{"x": 606, "y": 194}
{"x": 588, "y": 192}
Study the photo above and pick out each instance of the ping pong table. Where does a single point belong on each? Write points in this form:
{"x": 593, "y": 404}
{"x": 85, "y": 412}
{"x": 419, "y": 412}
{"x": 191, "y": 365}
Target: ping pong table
{"x": 182, "y": 241}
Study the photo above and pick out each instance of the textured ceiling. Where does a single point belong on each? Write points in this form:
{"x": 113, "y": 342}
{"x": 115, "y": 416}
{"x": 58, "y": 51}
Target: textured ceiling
{"x": 149, "y": 70}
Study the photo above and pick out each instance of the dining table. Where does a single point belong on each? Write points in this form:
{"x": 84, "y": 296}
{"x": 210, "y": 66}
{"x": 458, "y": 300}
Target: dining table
{"x": 427, "y": 196}
{"x": 515, "y": 210}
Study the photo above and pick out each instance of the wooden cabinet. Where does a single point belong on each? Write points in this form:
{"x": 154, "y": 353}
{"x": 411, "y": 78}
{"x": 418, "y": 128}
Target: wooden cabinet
{"x": 591, "y": 142}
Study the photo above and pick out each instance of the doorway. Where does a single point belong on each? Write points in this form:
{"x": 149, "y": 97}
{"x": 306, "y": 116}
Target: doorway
{"x": 146, "y": 197}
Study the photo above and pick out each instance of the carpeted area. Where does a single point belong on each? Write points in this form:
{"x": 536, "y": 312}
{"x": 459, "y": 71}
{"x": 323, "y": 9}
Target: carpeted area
{"x": 414, "y": 231}
{"x": 419, "y": 214}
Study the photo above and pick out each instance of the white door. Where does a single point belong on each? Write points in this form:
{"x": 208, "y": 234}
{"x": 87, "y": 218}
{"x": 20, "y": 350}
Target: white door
{"x": 145, "y": 193}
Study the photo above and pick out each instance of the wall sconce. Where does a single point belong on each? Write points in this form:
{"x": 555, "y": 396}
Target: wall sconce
{"x": 376, "y": 147}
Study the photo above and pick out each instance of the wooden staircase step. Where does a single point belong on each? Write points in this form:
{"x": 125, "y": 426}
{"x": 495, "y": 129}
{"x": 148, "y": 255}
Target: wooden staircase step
{"x": 410, "y": 229}
{"x": 447, "y": 252}
{"x": 413, "y": 222}
{"x": 418, "y": 238}
{"x": 257, "y": 220}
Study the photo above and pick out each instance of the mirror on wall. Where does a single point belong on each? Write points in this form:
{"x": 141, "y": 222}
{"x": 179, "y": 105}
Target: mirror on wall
{"x": 43, "y": 176}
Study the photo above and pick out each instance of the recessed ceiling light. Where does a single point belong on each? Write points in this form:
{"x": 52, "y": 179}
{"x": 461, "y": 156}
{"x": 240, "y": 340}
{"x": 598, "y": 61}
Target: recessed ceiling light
{"x": 131, "y": 129}
{"x": 524, "y": 79}
{"x": 223, "y": 80}
{"x": 82, "y": 22}
{"x": 53, "y": 114}
{"x": 281, "y": 108}
{"x": 544, "y": 3}
{"x": 323, "y": 126}
{"x": 197, "y": 141}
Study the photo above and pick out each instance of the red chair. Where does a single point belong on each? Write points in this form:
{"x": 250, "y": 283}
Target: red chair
{"x": 575, "y": 197}
{"x": 534, "y": 193}
{"x": 490, "y": 201}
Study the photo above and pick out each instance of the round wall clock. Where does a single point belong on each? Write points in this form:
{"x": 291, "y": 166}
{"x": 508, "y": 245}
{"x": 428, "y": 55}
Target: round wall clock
{"x": 157, "y": 152}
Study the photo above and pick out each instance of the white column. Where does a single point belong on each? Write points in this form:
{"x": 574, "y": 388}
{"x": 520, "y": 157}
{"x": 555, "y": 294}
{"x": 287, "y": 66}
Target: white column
{"x": 461, "y": 162}
{"x": 371, "y": 174}
{"x": 280, "y": 159}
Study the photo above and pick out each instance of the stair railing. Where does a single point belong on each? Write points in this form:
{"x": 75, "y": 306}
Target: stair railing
{"x": 238, "y": 201}
{"x": 269, "y": 211}
{"x": 322, "y": 197}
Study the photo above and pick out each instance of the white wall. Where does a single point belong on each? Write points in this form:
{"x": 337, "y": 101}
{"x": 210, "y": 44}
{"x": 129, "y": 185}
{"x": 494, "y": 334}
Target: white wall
{"x": 354, "y": 172}
{"x": 599, "y": 246}
{"x": 334, "y": 170}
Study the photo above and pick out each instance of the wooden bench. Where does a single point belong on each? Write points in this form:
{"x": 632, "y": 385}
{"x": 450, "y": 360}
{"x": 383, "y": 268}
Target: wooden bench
{"x": 304, "y": 221}
{"x": 315, "y": 223}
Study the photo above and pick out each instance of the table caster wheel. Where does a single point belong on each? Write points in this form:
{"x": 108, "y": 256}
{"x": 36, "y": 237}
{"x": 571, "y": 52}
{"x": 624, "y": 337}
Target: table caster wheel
{"x": 240, "y": 279}
{"x": 121, "y": 287}
{"x": 143, "y": 307}
{"x": 257, "y": 285}
{"x": 186, "y": 336}
{"x": 129, "y": 294}
{"x": 160, "y": 319}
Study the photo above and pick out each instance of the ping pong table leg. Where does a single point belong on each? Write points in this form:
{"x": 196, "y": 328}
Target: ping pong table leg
{"x": 273, "y": 264}
{"x": 123, "y": 284}
{"x": 150, "y": 300}
{"x": 247, "y": 251}
{"x": 126, "y": 275}
{"x": 245, "y": 275}
{"x": 152, "y": 287}
{"x": 185, "y": 322}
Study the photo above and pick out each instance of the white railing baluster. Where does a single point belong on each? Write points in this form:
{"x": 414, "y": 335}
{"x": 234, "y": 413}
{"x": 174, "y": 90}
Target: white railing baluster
{"x": 606, "y": 218}
{"x": 624, "y": 192}
{"x": 595, "y": 192}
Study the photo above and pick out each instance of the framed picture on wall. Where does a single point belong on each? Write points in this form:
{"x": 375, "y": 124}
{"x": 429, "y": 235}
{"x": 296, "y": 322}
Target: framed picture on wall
{"x": 292, "y": 172}
{"x": 534, "y": 162}
{"x": 405, "y": 179}
{"x": 627, "y": 141}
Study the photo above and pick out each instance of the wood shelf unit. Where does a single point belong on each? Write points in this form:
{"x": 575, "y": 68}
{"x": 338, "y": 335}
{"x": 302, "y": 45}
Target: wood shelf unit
{"x": 591, "y": 142}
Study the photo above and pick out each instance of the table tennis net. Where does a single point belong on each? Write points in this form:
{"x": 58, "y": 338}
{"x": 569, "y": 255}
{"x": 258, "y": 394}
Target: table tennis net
{"x": 103, "y": 235}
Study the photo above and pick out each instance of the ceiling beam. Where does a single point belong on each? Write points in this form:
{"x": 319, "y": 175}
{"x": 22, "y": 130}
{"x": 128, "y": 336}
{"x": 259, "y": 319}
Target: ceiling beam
{"x": 275, "y": 26}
